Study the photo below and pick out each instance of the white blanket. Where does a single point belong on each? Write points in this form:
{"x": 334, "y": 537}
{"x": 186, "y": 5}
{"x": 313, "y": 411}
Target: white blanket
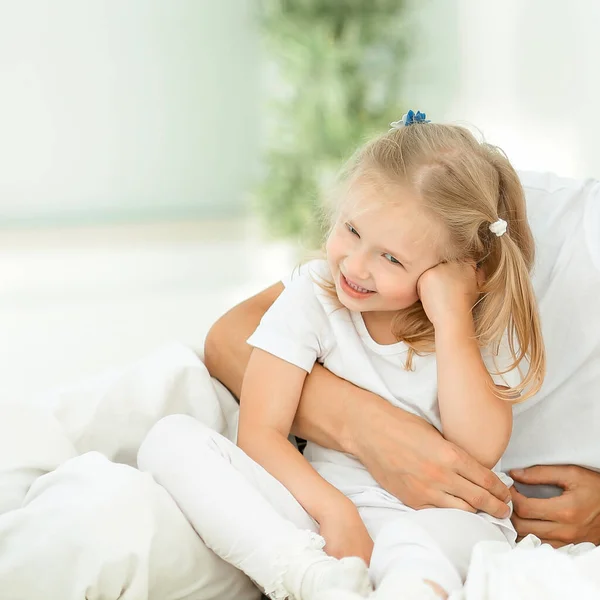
{"x": 112, "y": 413}
{"x": 532, "y": 571}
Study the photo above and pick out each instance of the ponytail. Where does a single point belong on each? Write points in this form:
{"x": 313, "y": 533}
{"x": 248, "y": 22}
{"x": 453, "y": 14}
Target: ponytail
{"x": 508, "y": 305}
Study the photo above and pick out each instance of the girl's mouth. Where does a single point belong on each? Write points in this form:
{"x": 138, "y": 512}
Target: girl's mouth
{"x": 353, "y": 289}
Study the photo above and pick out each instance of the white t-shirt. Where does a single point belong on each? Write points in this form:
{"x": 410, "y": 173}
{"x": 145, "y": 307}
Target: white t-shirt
{"x": 561, "y": 424}
{"x": 306, "y": 325}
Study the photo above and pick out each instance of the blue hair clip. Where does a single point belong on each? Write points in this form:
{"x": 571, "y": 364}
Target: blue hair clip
{"x": 410, "y": 118}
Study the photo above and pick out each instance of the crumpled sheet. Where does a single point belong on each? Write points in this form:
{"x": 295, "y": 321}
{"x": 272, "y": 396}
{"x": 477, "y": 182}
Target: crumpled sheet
{"x": 532, "y": 571}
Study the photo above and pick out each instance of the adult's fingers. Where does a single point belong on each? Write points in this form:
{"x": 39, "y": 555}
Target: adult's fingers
{"x": 445, "y": 500}
{"x": 545, "y": 530}
{"x": 560, "y": 475}
{"x": 478, "y": 498}
{"x": 472, "y": 471}
{"x": 478, "y": 486}
{"x": 543, "y": 509}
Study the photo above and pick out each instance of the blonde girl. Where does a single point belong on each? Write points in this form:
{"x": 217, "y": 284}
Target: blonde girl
{"x": 424, "y": 298}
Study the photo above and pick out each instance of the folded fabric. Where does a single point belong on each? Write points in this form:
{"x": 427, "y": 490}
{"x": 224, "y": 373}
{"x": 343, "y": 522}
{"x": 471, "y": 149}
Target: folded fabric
{"x": 532, "y": 571}
{"x": 112, "y": 413}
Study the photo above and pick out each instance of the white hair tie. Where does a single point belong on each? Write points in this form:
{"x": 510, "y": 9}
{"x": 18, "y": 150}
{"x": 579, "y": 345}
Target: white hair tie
{"x": 499, "y": 227}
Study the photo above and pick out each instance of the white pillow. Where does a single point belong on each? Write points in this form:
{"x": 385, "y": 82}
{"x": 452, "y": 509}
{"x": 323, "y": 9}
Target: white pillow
{"x": 112, "y": 412}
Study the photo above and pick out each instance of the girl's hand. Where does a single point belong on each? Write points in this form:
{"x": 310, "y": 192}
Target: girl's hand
{"x": 449, "y": 290}
{"x": 345, "y": 533}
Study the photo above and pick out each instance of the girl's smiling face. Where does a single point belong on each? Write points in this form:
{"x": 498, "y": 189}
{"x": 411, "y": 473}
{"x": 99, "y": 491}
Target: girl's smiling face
{"x": 380, "y": 245}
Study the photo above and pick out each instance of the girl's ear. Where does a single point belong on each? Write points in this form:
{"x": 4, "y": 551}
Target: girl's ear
{"x": 481, "y": 276}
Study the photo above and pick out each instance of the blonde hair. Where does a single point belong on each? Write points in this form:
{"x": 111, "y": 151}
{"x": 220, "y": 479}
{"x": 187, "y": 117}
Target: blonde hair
{"x": 467, "y": 185}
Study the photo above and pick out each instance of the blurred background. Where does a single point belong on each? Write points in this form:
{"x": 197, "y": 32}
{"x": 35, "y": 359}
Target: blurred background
{"x": 161, "y": 160}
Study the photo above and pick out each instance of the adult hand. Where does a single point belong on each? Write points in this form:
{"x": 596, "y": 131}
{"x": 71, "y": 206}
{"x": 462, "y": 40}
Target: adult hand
{"x": 345, "y": 533}
{"x": 449, "y": 289}
{"x": 570, "y": 518}
{"x": 410, "y": 459}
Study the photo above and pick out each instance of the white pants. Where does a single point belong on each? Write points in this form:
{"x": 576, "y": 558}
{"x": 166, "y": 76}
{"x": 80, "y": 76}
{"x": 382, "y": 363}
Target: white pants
{"x": 234, "y": 504}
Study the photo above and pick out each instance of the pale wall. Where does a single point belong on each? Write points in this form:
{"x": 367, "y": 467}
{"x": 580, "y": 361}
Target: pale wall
{"x": 113, "y": 109}
{"x": 526, "y": 72}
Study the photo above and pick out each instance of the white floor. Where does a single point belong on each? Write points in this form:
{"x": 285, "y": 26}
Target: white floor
{"x": 76, "y": 301}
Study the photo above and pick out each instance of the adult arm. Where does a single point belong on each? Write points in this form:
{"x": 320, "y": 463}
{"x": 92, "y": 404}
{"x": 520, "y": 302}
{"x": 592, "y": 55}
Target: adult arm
{"x": 570, "y": 518}
{"x": 226, "y": 353}
{"x": 406, "y": 455}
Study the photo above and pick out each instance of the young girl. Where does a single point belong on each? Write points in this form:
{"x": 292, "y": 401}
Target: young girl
{"x": 424, "y": 298}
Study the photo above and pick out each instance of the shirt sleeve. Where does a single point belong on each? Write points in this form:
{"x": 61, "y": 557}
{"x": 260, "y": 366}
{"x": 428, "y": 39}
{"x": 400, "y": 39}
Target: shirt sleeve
{"x": 294, "y": 327}
{"x": 301, "y": 270}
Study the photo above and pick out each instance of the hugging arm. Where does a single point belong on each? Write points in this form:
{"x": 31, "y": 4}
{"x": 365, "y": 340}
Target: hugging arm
{"x": 405, "y": 454}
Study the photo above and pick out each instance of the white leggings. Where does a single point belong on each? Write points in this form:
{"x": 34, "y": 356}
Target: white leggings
{"x": 233, "y": 503}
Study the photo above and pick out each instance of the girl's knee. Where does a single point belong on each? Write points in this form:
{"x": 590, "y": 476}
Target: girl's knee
{"x": 174, "y": 438}
{"x": 174, "y": 426}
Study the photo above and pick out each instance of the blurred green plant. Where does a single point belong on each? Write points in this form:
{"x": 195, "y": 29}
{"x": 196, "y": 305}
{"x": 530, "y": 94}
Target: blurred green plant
{"x": 336, "y": 68}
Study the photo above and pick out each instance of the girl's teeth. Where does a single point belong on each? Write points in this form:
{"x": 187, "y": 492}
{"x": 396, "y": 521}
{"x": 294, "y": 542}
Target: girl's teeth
{"x": 357, "y": 288}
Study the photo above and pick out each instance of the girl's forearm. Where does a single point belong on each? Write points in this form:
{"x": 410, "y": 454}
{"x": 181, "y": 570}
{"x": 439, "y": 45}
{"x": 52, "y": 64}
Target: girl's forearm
{"x": 276, "y": 455}
{"x": 472, "y": 416}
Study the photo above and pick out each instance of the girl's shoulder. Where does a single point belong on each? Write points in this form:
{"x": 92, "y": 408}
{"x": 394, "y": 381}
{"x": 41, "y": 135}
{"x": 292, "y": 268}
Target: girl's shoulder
{"x": 306, "y": 288}
{"x": 311, "y": 280}
{"x": 308, "y": 271}
{"x": 310, "y": 290}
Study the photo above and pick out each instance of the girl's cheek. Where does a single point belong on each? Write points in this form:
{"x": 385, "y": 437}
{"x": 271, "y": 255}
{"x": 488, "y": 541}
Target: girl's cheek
{"x": 404, "y": 294}
{"x": 330, "y": 246}
{"x": 334, "y": 246}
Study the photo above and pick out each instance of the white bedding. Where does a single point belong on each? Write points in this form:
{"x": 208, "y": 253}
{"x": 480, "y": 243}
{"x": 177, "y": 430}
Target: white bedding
{"x": 532, "y": 571}
{"x": 111, "y": 414}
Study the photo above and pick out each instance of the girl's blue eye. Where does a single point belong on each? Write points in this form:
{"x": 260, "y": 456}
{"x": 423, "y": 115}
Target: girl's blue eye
{"x": 352, "y": 230}
{"x": 393, "y": 260}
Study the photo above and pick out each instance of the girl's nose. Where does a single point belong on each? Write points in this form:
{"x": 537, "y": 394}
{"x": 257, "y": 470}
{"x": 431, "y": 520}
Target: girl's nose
{"x": 357, "y": 267}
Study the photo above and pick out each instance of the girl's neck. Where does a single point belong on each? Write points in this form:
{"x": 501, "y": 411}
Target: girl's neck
{"x": 379, "y": 326}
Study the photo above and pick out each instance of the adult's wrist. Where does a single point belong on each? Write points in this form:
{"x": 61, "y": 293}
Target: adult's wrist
{"x": 363, "y": 423}
{"x": 331, "y": 411}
